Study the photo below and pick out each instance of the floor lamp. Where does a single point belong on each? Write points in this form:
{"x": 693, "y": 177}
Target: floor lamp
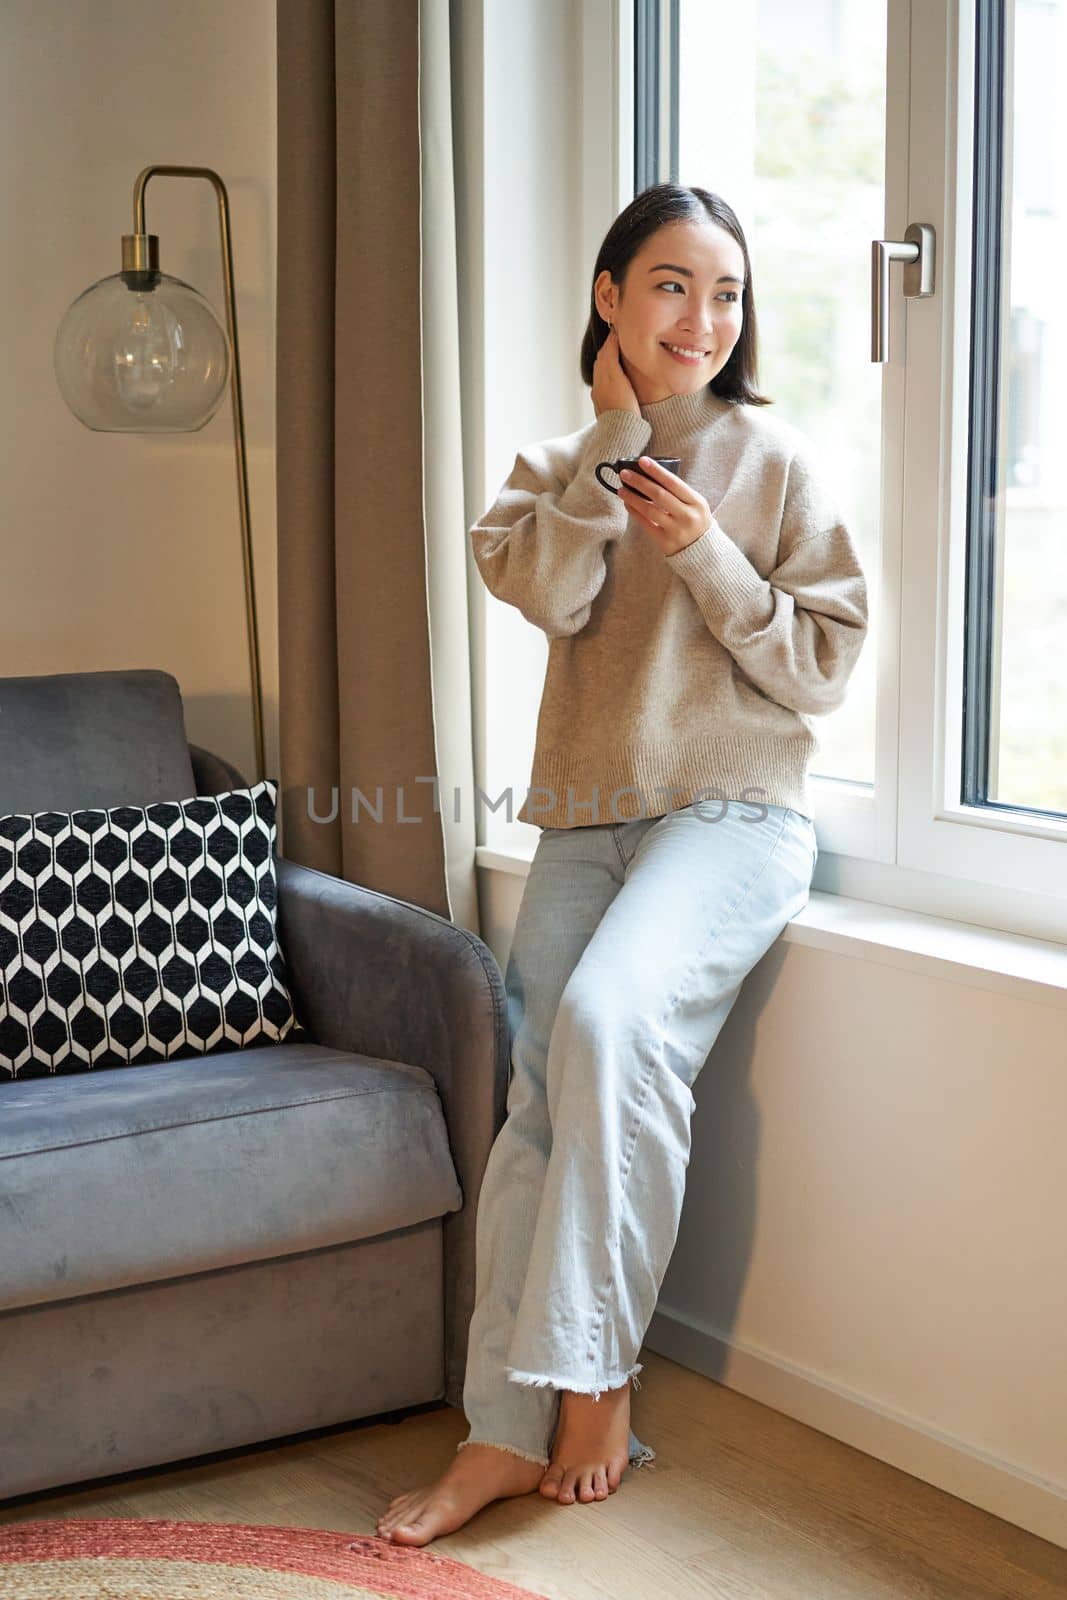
{"x": 141, "y": 352}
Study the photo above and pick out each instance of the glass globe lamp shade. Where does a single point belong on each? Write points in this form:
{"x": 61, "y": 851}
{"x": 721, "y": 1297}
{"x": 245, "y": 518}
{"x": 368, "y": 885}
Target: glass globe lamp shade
{"x": 141, "y": 352}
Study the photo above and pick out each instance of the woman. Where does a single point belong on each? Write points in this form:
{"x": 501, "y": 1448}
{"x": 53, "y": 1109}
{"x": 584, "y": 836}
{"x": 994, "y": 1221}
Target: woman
{"x": 689, "y": 649}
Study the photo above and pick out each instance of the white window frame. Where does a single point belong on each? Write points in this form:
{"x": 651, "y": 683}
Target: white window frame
{"x": 1012, "y": 850}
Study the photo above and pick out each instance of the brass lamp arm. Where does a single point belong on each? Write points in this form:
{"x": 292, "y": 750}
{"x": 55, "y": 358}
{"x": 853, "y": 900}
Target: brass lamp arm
{"x": 140, "y": 252}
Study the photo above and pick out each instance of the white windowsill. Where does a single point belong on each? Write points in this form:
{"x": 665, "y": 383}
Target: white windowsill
{"x": 959, "y": 952}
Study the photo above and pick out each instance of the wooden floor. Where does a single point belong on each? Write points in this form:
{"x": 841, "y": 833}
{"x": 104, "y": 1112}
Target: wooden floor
{"x": 742, "y": 1504}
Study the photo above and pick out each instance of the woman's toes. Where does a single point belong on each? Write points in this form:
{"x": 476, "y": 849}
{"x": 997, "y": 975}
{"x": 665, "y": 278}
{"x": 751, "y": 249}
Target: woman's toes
{"x": 395, "y": 1513}
{"x": 584, "y": 1484}
{"x": 413, "y": 1532}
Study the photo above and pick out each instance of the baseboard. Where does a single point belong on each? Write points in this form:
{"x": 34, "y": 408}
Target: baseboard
{"x": 995, "y": 1485}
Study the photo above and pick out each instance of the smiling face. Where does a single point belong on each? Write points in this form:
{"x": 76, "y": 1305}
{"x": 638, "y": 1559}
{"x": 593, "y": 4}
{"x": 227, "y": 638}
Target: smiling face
{"x": 682, "y": 288}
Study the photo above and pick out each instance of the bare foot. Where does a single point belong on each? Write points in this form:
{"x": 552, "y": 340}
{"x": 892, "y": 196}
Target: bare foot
{"x": 592, "y": 1446}
{"x": 480, "y": 1473}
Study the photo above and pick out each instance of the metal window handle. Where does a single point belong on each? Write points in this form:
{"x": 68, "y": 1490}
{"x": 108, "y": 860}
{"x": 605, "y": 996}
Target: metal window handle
{"x": 916, "y": 250}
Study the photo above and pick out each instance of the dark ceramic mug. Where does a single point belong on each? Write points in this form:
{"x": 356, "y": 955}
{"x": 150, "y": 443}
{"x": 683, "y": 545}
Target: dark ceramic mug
{"x": 672, "y": 463}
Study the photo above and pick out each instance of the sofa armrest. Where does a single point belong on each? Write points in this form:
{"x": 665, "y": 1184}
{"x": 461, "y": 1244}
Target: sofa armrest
{"x": 386, "y": 978}
{"x": 214, "y": 774}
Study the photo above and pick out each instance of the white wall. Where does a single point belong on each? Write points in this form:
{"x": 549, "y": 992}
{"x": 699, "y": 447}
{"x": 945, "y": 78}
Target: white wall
{"x": 874, "y": 1222}
{"x": 874, "y": 1234}
{"x": 124, "y": 550}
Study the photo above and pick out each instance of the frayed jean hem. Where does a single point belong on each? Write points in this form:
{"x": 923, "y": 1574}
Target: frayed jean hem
{"x": 542, "y": 1461}
{"x": 574, "y": 1385}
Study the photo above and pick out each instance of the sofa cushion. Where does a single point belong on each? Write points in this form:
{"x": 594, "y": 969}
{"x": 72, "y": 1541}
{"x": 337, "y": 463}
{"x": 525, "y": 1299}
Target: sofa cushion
{"x": 74, "y": 739}
{"x": 117, "y": 1178}
{"x": 139, "y": 933}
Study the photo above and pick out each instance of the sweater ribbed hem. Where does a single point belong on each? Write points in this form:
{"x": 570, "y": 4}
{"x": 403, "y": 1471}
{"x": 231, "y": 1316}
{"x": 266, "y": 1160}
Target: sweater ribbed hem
{"x": 568, "y": 790}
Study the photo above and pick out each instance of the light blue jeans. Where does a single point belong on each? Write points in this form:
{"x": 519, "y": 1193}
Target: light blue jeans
{"x": 631, "y": 945}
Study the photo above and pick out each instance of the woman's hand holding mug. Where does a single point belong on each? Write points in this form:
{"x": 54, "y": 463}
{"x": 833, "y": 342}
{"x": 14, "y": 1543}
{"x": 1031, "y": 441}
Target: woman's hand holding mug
{"x": 672, "y": 511}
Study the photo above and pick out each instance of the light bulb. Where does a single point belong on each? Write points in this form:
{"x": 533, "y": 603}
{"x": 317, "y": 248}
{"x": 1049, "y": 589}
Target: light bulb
{"x": 142, "y": 352}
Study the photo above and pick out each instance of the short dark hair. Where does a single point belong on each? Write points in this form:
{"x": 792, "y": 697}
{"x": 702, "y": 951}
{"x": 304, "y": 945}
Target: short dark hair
{"x": 654, "y": 207}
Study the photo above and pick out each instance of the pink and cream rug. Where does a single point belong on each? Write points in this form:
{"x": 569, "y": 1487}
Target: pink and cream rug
{"x": 142, "y": 1559}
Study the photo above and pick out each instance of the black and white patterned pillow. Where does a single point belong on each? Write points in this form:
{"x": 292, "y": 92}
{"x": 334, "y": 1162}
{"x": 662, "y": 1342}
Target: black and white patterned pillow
{"x": 139, "y": 933}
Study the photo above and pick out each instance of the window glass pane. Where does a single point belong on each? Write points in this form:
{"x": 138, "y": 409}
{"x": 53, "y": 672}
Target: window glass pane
{"x": 1028, "y": 732}
{"x": 782, "y": 113}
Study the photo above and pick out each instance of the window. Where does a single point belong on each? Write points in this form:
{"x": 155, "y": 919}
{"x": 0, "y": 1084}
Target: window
{"x": 832, "y": 124}
{"x": 941, "y": 785}
{"x": 802, "y": 93}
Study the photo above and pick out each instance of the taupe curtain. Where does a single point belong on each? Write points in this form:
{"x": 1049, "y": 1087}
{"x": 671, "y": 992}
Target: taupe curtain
{"x": 373, "y": 629}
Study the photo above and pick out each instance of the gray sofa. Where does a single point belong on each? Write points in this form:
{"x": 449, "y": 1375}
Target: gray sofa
{"x": 207, "y": 1253}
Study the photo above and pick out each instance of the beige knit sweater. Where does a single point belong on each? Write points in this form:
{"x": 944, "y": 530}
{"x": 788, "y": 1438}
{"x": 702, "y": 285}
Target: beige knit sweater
{"x": 672, "y": 678}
